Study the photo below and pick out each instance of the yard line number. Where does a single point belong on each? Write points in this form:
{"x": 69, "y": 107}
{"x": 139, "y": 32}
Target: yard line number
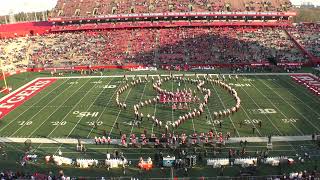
{"x": 290, "y": 120}
{"x": 24, "y": 123}
{"x": 247, "y": 79}
{"x": 215, "y": 122}
{"x": 92, "y": 123}
{"x": 131, "y": 123}
{"x": 252, "y": 121}
{"x": 109, "y": 87}
{"x": 58, "y": 123}
{"x": 240, "y": 85}
{"x": 96, "y": 82}
{"x": 262, "y": 111}
{"x": 72, "y": 83}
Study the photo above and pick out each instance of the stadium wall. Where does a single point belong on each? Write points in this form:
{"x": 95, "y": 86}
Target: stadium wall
{"x": 24, "y": 29}
{"x": 169, "y": 66}
{"x": 138, "y": 25}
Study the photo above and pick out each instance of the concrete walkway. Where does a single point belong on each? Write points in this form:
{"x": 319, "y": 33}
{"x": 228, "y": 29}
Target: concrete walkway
{"x": 117, "y": 141}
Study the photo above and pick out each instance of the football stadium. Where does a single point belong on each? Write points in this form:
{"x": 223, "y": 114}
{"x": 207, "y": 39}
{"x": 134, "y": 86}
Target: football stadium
{"x": 185, "y": 89}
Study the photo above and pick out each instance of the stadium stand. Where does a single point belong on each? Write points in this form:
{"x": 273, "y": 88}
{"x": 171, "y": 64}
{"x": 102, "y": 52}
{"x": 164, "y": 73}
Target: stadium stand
{"x": 80, "y": 8}
{"x": 75, "y": 43}
{"x": 308, "y": 35}
{"x": 196, "y": 42}
{"x": 151, "y": 47}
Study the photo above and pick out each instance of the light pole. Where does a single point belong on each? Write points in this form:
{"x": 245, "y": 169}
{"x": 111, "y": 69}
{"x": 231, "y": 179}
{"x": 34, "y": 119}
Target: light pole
{"x": 3, "y": 75}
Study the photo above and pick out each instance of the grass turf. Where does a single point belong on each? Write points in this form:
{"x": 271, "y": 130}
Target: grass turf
{"x": 53, "y": 113}
{"x": 283, "y": 107}
{"x": 15, "y": 151}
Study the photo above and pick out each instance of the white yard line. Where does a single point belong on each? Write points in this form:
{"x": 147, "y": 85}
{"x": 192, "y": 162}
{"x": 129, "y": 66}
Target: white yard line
{"x": 194, "y": 129}
{"x": 104, "y": 109}
{"x": 248, "y": 115}
{"x": 82, "y": 116}
{"x": 275, "y": 107}
{"x": 212, "y": 121}
{"x": 225, "y": 108}
{"x": 291, "y": 106}
{"x": 304, "y": 92}
{"x": 42, "y": 109}
{"x": 280, "y": 133}
{"x": 71, "y": 111}
{"x": 154, "y": 114}
{"x": 263, "y": 114}
{"x": 172, "y": 117}
{"x": 44, "y": 121}
{"x": 250, "y": 119}
{"x": 133, "y": 124}
{"x": 87, "y": 108}
{"x": 31, "y": 107}
{"x": 119, "y": 113}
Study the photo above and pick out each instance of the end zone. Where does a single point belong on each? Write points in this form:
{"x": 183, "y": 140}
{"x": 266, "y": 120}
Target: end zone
{"x": 21, "y": 95}
{"x": 309, "y": 81}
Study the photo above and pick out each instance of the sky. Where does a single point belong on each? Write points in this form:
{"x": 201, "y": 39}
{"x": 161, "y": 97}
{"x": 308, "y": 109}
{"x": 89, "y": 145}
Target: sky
{"x": 16, "y": 6}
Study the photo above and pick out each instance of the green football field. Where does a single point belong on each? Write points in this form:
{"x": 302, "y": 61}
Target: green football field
{"x": 70, "y": 107}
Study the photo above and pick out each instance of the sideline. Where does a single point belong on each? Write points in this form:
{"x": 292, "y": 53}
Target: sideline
{"x": 118, "y": 141}
{"x": 187, "y": 75}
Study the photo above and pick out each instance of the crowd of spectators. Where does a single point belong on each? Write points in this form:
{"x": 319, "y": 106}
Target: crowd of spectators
{"x": 308, "y": 36}
{"x": 175, "y": 46}
{"x": 8, "y": 175}
{"x": 13, "y": 53}
{"x": 66, "y": 8}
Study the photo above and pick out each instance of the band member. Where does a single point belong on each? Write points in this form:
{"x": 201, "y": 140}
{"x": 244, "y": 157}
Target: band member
{"x": 260, "y": 123}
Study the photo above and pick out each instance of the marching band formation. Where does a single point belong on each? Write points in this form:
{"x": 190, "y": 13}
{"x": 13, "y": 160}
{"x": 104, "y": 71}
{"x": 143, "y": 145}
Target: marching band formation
{"x": 180, "y": 98}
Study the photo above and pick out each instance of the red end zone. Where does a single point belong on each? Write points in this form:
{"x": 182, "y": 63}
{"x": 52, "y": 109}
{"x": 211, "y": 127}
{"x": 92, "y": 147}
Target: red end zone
{"x": 21, "y": 95}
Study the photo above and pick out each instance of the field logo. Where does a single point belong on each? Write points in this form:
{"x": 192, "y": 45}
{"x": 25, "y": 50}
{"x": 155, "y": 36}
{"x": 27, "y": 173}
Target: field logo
{"x": 309, "y": 81}
{"x": 18, "y": 97}
{"x": 85, "y": 114}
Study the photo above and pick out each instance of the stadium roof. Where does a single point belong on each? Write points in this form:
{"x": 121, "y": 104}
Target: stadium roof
{"x": 16, "y": 6}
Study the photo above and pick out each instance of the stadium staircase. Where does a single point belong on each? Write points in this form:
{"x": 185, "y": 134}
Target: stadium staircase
{"x": 313, "y": 59}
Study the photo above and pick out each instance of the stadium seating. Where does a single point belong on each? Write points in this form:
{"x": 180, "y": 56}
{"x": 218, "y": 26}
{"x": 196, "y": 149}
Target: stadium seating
{"x": 84, "y": 8}
{"x": 308, "y": 36}
{"x": 157, "y": 46}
